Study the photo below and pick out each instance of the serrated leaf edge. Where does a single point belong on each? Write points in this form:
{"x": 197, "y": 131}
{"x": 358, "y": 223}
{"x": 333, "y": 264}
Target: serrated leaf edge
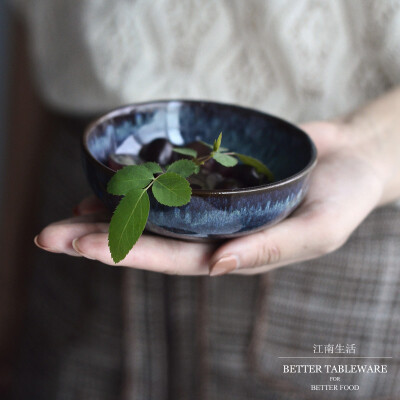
{"x": 116, "y": 260}
{"x": 114, "y": 178}
{"x": 195, "y": 167}
{"x": 160, "y": 183}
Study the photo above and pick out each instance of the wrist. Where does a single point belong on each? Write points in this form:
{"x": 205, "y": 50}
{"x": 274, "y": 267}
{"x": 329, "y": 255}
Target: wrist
{"x": 369, "y": 139}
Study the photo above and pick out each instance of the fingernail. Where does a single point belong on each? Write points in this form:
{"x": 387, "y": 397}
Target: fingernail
{"x": 35, "y": 240}
{"x": 225, "y": 265}
{"x": 78, "y": 250}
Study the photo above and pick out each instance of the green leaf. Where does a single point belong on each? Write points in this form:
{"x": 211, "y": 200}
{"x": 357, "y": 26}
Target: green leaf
{"x": 183, "y": 168}
{"x": 217, "y": 143}
{"x": 211, "y": 146}
{"x": 225, "y": 159}
{"x": 127, "y": 223}
{"x": 129, "y": 177}
{"x": 258, "y": 165}
{"x": 172, "y": 189}
{"x": 186, "y": 151}
{"x": 206, "y": 144}
{"x": 153, "y": 167}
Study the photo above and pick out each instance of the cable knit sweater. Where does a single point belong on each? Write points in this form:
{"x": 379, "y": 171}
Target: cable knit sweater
{"x": 301, "y": 60}
{"x": 97, "y": 333}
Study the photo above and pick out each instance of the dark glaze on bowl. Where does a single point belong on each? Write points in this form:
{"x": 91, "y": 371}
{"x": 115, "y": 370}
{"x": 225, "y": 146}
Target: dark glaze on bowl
{"x": 219, "y": 214}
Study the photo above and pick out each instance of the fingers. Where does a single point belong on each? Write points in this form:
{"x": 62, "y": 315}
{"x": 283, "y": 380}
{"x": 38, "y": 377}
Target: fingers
{"x": 312, "y": 232}
{"x": 58, "y": 237}
{"x": 87, "y": 236}
{"x": 151, "y": 253}
{"x": 290, "y": 241}
{"x": 327, "y": 136}
{"x": 321, "y": 225}
{"x": 343, "y": 191}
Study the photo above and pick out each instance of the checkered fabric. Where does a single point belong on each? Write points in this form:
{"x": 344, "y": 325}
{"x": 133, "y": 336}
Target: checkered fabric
{"x": 95, "y": 332}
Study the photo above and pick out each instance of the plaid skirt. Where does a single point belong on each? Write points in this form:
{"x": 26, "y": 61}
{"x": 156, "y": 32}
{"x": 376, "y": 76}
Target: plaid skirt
{"x": 97, "y": 332}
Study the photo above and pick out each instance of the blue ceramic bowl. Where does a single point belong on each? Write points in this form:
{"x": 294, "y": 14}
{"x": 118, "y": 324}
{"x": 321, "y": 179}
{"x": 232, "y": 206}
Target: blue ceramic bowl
{"x": 285, "y": 149}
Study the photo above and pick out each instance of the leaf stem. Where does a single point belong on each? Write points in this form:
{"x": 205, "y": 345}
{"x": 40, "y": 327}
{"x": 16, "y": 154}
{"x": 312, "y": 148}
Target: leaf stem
{"x": 151, "y": 183}
{"x": 202, "y": 160}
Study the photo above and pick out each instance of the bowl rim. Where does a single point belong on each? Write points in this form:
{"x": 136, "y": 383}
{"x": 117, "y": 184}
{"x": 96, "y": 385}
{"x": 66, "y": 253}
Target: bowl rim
{"x": 127, "y": 108}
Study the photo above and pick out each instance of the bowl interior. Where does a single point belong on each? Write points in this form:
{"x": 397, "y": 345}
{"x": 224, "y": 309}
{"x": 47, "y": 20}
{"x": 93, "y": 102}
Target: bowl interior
{"x": 285, "y": 149}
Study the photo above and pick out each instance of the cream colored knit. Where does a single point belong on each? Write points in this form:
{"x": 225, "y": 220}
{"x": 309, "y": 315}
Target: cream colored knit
{"x": 300, "y": 59}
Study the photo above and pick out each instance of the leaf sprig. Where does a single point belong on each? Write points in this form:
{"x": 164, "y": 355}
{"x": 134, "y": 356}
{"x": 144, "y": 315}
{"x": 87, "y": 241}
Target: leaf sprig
{"x": 226, "y": 158}
{"x": 169, "y": 186}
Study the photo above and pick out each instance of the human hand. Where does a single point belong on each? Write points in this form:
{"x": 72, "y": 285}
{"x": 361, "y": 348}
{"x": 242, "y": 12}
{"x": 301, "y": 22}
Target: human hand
{"x": 345, "y": 187}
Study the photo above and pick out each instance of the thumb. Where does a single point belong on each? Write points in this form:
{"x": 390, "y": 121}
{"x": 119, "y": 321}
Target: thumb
{"x": 290, "y": 241}
{"x": 328, "y": 136}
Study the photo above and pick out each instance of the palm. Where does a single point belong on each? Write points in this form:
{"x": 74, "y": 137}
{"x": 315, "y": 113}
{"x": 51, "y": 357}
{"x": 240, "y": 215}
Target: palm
{"x": 343, "y": 190}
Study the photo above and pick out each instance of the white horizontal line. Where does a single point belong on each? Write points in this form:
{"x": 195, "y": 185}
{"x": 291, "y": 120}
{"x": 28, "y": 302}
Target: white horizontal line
{"x": 335, "y": 357}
